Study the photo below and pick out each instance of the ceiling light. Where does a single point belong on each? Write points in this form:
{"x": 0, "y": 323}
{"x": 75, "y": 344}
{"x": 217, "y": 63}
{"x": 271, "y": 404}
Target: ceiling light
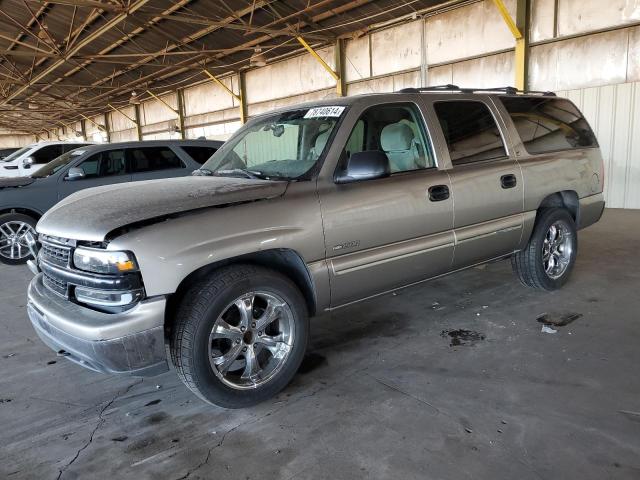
{"x": 258, "y": 59}
{"x": 134, "y": 100}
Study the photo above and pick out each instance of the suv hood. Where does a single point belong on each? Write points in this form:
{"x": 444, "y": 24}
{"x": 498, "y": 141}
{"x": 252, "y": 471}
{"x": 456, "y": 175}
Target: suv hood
{"x": 13, "y": 182}
{"x": 92, "y": 213}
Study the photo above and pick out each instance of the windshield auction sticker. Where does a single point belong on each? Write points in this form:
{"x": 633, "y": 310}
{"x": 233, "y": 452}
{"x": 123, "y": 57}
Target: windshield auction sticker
{"x": 324, "y": 112}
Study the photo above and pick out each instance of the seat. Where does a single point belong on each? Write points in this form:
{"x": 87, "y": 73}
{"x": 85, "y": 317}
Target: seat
{"x": 318, "y": 147}
{"x": 399, "y": 143}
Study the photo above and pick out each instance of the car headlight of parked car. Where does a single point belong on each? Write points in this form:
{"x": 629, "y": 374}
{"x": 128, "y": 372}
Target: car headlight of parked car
{"x": 104, "y": 261}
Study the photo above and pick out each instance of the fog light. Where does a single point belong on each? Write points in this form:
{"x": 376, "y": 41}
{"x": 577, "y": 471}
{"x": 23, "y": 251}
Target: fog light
{"x": 106, "y": 298}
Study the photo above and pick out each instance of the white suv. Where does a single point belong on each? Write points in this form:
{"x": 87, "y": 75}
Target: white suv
{"x": 29, "y": 159}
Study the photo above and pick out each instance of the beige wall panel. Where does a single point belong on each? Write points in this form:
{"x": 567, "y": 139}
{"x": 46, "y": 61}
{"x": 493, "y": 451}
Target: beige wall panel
{"x": 118, "y": 122}
{"x": 11, "y": 140}
{"x": 467, "y": 31}
{"x": 210, "y": 97}
{"x": 153, "y": 111}
{"x": 263, "y": 107}
{"x": 580, "y": 62}
{"x": 124, "y": 135}
{"x": 578, "y": 16}
{"x": 294, "y": 76}
{"x": 484, "y": 72}
{"x": 440, "y": 75}
{"x": 396, "y": 49}
{"x": 357, "y": 62}
{"x": 542, "y": 13}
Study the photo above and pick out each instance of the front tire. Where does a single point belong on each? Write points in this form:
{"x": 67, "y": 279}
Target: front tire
{"x": 240, "y": 336}
{"x": 547, "y": 261}
{"x": 14, "y": 249}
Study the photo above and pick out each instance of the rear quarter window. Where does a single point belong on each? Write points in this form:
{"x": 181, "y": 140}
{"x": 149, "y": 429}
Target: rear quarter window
{"x": 549, "y": 124}
{"x": 199, "y": 154}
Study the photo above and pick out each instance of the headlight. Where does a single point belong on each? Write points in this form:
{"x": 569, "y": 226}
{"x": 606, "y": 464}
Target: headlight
{"x": 106, "y": 298}
{"x": 104, "y": 261}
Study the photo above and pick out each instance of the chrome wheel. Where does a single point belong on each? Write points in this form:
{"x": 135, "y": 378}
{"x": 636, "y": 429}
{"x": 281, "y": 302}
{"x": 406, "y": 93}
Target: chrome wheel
{"x": 251, "y": 341}
{"x": 557, "y": 249}
{"x": 14, "y": 236}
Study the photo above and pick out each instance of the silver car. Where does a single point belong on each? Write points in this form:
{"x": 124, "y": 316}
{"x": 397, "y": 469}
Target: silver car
{"x": 305, "y": 210}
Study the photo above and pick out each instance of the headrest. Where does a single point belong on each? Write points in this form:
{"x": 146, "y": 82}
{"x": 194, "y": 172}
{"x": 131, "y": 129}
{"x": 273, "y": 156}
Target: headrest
{"x": 396, "y": 137}
{"x": 321, "y": 141}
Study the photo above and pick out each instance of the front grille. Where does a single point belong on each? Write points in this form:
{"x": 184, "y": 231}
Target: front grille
{"x": 56, "y": 254}
{"x": 56, "y": 286}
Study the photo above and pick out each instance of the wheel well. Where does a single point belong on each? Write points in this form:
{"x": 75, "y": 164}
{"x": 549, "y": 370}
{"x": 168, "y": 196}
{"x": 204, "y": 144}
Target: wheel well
{"x": 24, "y": 211}
{"x": 285, "y": 261}
{"x": 567, "y": 199}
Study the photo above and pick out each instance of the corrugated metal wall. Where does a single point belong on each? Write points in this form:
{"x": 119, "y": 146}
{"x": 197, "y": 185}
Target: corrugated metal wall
{"x": 614, "y": 113}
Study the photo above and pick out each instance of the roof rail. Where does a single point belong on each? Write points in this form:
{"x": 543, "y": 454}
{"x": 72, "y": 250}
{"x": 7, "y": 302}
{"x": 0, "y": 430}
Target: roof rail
{"x": 455, "y": 88}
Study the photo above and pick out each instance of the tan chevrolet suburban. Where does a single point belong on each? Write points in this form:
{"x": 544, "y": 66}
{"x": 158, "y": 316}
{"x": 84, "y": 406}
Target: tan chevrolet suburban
{"x": 304, "y": 210}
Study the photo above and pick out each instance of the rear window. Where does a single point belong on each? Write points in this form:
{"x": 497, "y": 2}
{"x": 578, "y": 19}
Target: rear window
{"x": 200, "y": 154}
{"x": 470, "y": 130}
{"x": 549, "y": 124}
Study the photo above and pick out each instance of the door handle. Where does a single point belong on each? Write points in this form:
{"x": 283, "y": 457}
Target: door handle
{"x": 508, "y": 181}
{"x": 438, "y": 193}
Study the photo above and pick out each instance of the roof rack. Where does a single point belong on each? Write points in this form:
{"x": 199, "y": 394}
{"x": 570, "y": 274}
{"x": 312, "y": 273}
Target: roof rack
{"x": 455, "y": 88}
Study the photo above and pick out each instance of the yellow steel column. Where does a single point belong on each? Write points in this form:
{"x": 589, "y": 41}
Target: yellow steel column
{"x": 520, "y": 31}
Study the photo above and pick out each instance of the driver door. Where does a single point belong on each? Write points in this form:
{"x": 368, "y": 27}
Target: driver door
{"x": 388, "y": 232}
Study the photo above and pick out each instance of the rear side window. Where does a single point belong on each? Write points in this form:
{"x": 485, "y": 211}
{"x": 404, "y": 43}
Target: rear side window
{"x": 150, "y": 159}
{"x": 46, "y": 154}
{"x": 549, "y": 124}
{"x": 200, "y": 154}
{"x": 470, "y": 130}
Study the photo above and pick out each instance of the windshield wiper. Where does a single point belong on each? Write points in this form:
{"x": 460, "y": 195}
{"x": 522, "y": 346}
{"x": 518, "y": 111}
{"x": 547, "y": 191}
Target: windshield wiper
{"x": 240, "y": 171}
{"x": 202, "y": 172}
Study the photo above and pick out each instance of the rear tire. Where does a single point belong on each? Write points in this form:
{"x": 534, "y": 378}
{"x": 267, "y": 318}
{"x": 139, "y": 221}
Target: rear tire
{"x": 239, "y": 336}
{"x": 547, "y": 260}
{"x": 13, "y": 247}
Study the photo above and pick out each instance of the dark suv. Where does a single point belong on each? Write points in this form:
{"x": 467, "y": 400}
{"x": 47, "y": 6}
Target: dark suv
{"x": 23, "y": 200}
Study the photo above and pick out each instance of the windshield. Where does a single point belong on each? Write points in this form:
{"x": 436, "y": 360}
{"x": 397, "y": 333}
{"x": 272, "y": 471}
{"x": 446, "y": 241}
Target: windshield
{"x": 16, "y": 154}
{"x": 284, "y": 146}
{"x": 55, "y": 165}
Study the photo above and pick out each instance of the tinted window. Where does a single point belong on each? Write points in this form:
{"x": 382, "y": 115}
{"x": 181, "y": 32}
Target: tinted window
{"x": 398, "y": 131}
{"x": 200, "y": 154}
{"x": 104, "y": 164}
{"x": 547, "y": 124}
{"x": 46, "y": 154}
{"x": 73, "y": 146}
{"x": 149, "y": 159}
{"x": 470, "y": 130}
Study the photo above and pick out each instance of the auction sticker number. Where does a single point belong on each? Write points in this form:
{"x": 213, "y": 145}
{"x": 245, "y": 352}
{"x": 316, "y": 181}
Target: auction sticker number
{"x": 323, "y": 112}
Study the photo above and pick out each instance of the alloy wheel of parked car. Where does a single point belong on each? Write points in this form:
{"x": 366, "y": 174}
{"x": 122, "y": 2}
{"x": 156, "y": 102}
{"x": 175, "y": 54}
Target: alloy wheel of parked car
{"x": 14, "y": 228}
{"x": 239, "y": 336}
{"x": 546, "y": 262}
{"x": 251, "y": 340}
{"x": 557, "y": 249}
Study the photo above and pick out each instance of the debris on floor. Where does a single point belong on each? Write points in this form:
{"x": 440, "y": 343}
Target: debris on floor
{"x": 558, "y": 320}
{"x": 548, "y": 329}
{"x": 462, "y": 337}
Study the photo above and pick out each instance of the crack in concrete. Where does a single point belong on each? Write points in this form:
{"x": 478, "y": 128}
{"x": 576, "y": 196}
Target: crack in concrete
{"x": 101, "y": 421}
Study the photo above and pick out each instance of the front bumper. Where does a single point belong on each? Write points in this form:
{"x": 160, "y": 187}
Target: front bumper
{"x": 130, "y": 342}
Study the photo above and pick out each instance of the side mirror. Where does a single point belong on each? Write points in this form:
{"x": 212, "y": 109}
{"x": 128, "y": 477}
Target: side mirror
{"x": 75, "y": 173}
{"x": 27, "y": 162}
{"x": 367, "y": 165}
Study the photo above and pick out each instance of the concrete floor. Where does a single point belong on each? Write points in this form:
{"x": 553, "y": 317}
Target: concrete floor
{"x": 382, "y": 393}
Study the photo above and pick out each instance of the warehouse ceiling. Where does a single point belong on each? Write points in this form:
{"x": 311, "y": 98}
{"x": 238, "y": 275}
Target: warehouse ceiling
{"x": 66, "y": 59}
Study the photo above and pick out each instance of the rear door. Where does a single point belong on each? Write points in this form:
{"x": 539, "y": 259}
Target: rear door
{"x": 386, "y": 233}
{"x": 103, "y": 168}
{"x": 149, "y": 163}
{"x": 486, "y": 180}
